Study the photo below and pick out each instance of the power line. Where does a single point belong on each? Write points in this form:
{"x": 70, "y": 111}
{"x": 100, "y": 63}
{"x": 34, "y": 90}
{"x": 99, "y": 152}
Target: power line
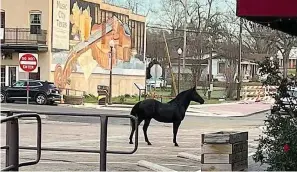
{"x": 261, "y": 35}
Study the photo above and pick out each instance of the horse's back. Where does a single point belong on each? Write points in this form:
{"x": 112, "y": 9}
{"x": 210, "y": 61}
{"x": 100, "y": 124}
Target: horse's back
{"x": 147, "y": 107}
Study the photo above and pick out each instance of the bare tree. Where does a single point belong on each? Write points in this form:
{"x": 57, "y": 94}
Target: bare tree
{"x": 284, "y": 44}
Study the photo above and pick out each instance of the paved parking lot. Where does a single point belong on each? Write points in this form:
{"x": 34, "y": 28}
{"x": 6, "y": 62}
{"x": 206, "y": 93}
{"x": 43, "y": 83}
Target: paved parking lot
{"x": 86, "y": 135}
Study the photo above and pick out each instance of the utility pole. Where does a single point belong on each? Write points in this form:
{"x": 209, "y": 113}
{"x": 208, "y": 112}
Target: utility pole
{"x": 179, "y": 51}
{"x": 185, "y": 36}
{"x": 210, "y": 72}
{"x": 239, "y": 61}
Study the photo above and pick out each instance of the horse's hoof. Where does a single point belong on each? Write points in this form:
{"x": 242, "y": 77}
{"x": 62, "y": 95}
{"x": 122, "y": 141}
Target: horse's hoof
{"x": 149, "y": 143}
{"x": 130, "y": 142}
{"x": 175, "y": 144}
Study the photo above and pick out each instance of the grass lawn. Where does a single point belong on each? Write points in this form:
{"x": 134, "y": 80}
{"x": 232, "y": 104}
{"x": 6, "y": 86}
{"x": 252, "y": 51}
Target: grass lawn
{"x": 131, "y": 100}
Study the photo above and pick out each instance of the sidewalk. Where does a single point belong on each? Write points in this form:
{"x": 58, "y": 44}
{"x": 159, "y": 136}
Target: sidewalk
{"x": 230, "y": 110}
{"x": 216, "y": 110}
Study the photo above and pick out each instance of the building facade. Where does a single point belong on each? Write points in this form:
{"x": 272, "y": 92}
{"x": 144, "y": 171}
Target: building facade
{"x": 72, "y": 39}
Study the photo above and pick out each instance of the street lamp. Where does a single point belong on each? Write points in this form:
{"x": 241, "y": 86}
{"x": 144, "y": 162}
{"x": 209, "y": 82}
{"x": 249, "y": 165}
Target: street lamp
{"x": 111, "y": 45}
{"x": 179, "y": 51}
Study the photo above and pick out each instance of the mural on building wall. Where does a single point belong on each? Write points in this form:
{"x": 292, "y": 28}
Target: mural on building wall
{"x": 89, "y": 46}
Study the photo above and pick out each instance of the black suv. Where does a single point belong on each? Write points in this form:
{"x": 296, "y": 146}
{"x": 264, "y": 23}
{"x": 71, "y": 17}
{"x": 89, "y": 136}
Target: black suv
{"x": 42, "y": 92}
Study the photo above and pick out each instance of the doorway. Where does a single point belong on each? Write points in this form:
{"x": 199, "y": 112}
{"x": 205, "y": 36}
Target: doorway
{"x": 12, "y": 74}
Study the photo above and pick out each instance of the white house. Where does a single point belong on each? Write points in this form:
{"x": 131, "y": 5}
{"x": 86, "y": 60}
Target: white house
{"x": 219, "y": 65}
{"x": 292, "y": 58}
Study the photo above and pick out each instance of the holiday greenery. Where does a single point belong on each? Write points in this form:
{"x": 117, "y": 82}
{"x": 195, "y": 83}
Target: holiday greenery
{"x": 278, "y": 146}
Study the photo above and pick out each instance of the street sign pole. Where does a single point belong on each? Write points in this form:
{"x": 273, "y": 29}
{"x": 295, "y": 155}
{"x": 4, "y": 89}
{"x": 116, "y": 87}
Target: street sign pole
{"x": 28, "y": 62}
{"x": 28, "y": 76}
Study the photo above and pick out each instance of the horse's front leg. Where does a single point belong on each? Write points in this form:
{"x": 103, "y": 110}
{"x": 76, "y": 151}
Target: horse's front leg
{"x": 175, "y": 130}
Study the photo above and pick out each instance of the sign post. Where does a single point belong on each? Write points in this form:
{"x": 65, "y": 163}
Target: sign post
{"x": 28, "y": 62}
{"x": 156, "y": 73}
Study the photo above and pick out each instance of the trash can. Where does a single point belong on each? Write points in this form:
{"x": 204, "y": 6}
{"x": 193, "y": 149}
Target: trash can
{"x": 103, "y": 92}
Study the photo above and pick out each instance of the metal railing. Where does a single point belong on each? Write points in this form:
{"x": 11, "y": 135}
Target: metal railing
{"x": 23, "y": 36}
{"x": 73, "y": 92}
{"x": 12, "y": 137}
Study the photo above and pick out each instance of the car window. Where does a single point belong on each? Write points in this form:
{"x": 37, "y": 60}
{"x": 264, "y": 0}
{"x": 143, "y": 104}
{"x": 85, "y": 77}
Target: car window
{"x": 51, "y": 85}
{"x": 34, "y": 84}
{"x": 20, "y": 84}
{"x": 293, "y": 93}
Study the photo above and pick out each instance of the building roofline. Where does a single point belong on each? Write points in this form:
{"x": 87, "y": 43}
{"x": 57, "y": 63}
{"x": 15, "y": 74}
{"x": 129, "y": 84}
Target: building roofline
{"x": 118, "y": 9}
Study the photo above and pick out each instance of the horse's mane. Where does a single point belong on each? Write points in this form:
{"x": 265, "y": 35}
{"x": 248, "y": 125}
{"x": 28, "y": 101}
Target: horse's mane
{"x": 180, "y": 96}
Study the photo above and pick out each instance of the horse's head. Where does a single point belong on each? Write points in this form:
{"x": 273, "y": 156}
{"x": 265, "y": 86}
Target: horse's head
{"x": 195, "y": 96}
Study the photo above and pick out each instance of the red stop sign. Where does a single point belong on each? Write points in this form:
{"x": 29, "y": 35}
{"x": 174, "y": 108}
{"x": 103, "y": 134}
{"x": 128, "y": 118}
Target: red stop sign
{"x": 28, "y": 62}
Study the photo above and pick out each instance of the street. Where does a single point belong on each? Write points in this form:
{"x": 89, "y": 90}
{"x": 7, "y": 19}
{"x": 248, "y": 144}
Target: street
{"x": 83, "y": 132}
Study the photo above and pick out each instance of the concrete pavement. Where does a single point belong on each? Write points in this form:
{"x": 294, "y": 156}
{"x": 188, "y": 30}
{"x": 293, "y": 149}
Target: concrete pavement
{"x": 220, "y": 110}
{"x": 83, "y": 134}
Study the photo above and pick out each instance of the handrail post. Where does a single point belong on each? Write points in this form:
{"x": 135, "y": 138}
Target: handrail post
{"x": 12, "y": 140}
{"x": 103, "y": 142}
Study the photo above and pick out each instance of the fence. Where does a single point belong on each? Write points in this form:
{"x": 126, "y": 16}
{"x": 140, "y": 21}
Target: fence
{"x": 254, "y": 93}
{"x": 12, "y": 137}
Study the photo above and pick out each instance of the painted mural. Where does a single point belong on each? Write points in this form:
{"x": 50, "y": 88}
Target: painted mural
{"x": 89, "y": 47}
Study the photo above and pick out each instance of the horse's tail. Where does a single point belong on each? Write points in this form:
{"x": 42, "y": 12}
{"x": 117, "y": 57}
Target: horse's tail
{"x": 134, "y": 112}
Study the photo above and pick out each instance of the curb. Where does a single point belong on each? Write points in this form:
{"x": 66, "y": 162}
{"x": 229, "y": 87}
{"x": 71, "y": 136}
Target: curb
{"x": 130, "y": 106}
{"x": 153, "y": 166}
{"x": 188, "y": 113}
{"x": 254, "y": 113}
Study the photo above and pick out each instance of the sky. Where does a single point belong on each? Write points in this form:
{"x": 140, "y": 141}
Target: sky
{"x": 144, "y": 5}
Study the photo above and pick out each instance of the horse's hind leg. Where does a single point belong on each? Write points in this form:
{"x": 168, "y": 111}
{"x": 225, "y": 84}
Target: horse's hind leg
{"x": 145, "y": 127}
{"x": 133, "y": 128}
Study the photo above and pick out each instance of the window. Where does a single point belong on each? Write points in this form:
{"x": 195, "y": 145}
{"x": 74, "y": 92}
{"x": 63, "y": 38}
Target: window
{"x": 51, "y": 85}
{"x": 35, "y": 22}
{"x": 99, "y": 16}
{"x": 34, "y": 84}
{"x": 20, "y": 84}
{"x": 2, "y": 19}
{"x": 2, "y": 76}
{"x": 35, "y": 76}
{"x": 221, "y": 68}
{"x": 103, "y": 16}
{"x": 2, "y": 25}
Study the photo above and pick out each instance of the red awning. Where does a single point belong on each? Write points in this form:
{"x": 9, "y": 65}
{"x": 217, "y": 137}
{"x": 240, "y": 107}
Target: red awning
{"x": 267, "y": 8}
{"x": 277, "y": 14}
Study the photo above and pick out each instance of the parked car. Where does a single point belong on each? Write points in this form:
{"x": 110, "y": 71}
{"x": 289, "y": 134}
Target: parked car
{"x": 287, "y": 101}
{"x": 42, "y": 92}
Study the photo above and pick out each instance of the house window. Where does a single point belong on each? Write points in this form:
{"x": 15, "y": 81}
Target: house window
{"x": 35, "y": 22}
{"x": 35, "y": 76}
{"x": 222, "y": 67}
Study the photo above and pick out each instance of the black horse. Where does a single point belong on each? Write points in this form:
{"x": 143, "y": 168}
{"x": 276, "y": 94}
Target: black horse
{"x": 172, "y": 112}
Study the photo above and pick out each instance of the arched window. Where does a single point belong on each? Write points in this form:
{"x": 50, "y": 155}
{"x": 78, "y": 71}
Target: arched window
{"x": 35, "y": 22}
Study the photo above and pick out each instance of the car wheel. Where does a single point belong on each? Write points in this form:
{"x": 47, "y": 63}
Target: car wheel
{"x": 41, "y": 99}
{"x": 3, "y": 97}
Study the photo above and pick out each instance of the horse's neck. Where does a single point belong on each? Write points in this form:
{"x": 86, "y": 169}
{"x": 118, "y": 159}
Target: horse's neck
{"x": 185, "y": 104}
{"x": 181, "y": 102}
